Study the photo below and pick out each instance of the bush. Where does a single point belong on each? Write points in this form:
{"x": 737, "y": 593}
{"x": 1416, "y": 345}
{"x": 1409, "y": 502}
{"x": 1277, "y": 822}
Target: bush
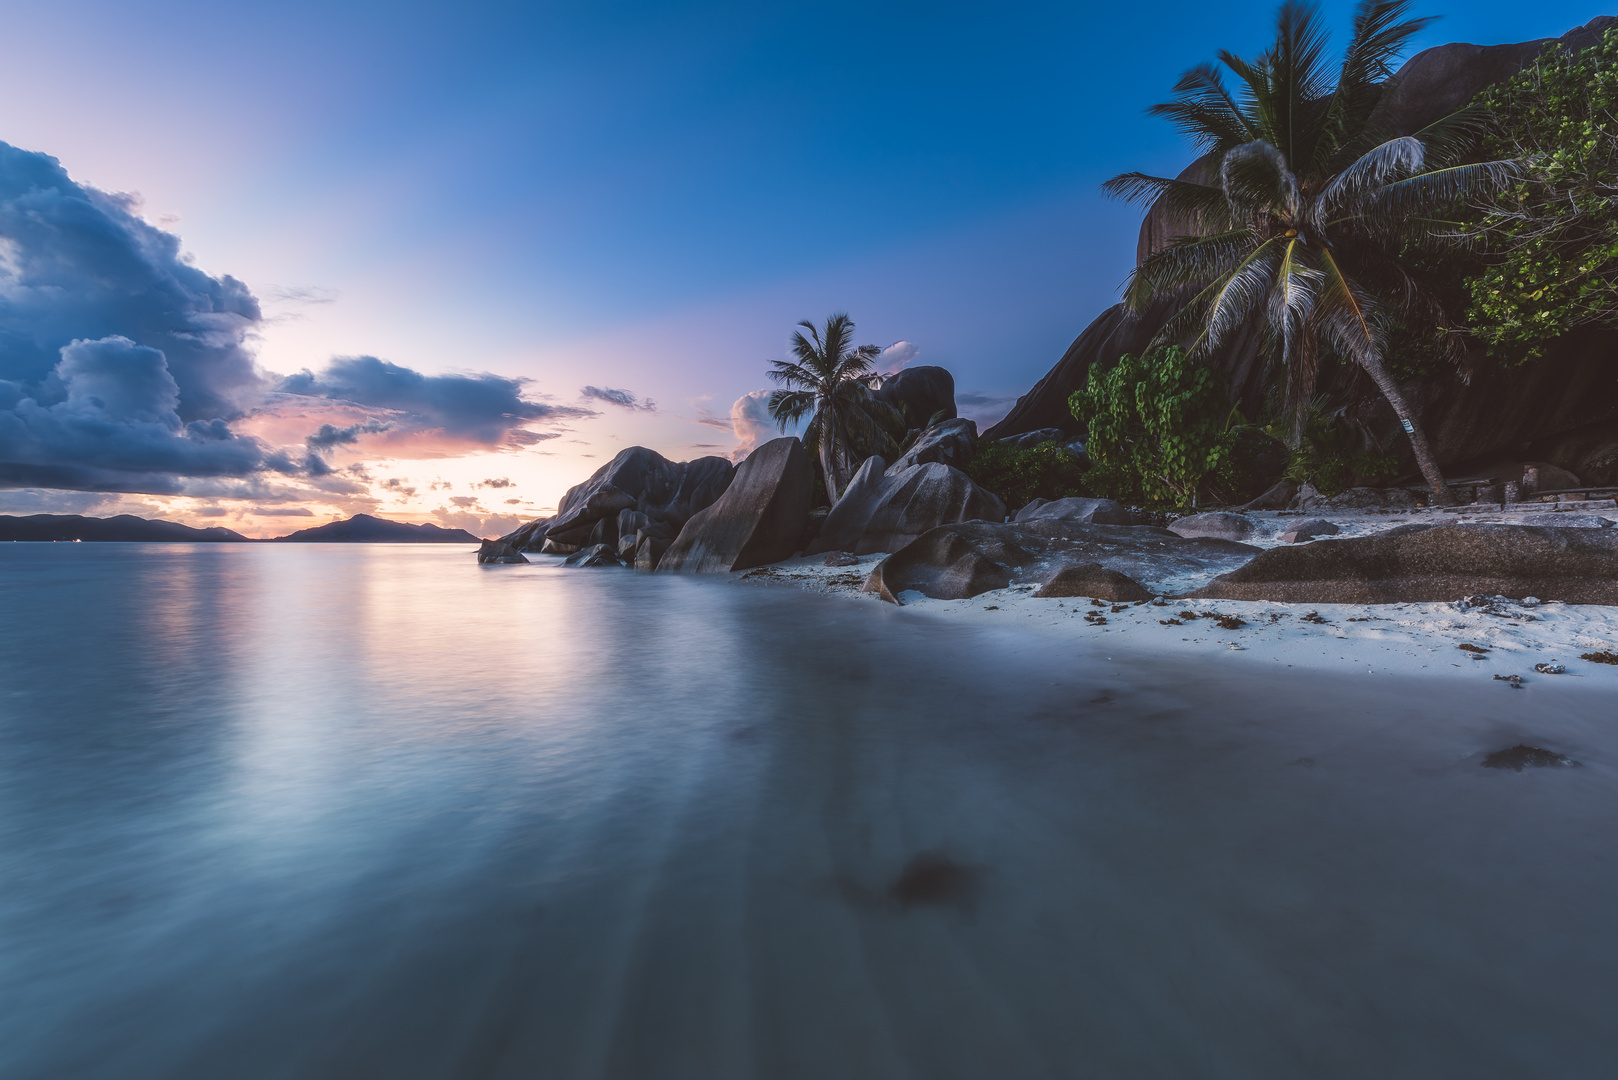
{"x": 1326, "y": 457}
{"x": 1554, "y": 236}
{"x": 1159, "y": 427}
{"x": 1046, "y": 471}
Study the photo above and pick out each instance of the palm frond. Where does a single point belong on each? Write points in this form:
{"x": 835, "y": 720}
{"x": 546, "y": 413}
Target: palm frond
{"x": 1392, "y": 160}
{"x": 1435, "y": 191}
{"x": 1256, "y": 181}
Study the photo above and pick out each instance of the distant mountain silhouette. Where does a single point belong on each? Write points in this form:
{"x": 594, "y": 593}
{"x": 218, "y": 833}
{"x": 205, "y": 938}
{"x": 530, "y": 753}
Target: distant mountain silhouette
{"x": 365, "y": 529}
{"x": 124, "y": 527}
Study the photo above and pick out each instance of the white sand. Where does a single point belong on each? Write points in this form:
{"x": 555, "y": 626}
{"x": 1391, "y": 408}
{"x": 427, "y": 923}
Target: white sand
{"x": 1374, "y": 638}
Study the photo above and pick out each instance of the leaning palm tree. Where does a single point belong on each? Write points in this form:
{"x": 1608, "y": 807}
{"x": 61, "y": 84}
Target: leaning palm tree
{"x": 830, "y": 382}
{"x": 1299, "y": 211}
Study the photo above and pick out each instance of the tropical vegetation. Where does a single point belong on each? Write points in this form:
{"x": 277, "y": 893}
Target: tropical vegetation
{"x": 830, "y": 382}
{"x": 1551, "y": 238}
{"x": 1021, "y": 474}
{"x": 1159, "y": 427}
{"x": 1300, "y": 217}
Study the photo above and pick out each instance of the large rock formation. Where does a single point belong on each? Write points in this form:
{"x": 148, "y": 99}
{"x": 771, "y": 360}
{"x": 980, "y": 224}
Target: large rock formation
{"x": 885, "y": 509}
{"x": 637, "y": 481}
{"x": 920, "y": 394}
{"x": 1079, "y": 511}
{"x": 954, "y": 562}
{"x": 1579, "y": 566}
{"x": 758, "y": 520}
{"x": 1498, "y": 411}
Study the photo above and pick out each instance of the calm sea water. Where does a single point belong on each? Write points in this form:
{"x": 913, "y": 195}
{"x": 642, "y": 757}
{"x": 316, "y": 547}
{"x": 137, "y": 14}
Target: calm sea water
{"x": 327, "y": 811}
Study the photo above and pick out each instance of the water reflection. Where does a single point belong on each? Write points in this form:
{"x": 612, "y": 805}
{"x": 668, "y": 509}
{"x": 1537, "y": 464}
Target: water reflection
{"x": 284, "y": 811}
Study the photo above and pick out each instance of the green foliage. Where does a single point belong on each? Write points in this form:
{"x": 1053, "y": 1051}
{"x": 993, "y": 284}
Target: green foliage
{"x": 1554, "y": 234}
{"x": 1019, "y": 476}
{"x": 1159, "y": 426}
{"x": 1325, "y": 455}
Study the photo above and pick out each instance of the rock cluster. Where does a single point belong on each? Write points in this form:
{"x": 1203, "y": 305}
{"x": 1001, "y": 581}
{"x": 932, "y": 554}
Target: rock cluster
{"x": 758, "y": 520}
{"x": 632, "y": 507}
{"x": 883, "y": 508}
{"x": 954, "y": 562}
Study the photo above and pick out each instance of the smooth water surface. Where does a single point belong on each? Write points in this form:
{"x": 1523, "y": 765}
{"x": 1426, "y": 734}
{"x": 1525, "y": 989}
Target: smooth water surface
{"x": 344, "y": 811}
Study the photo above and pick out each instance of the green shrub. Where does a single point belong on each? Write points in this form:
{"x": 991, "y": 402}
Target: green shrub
{"x": 1552, "y": 238}
{"x": 1159, "y": 427}
{"x": 1327, "y": 457}
{"x": 1046, "y": 471}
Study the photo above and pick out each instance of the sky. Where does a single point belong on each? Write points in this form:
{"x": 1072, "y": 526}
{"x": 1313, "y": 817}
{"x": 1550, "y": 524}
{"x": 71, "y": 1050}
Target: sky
{"x": 440, "y": 261}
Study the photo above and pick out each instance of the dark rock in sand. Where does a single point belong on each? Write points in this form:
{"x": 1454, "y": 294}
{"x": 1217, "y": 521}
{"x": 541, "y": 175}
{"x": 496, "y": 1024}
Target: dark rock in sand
{"x": 920, "y": 393}
{"x": 498, "y": 552}
{"x": 949, "y": 443}
{"x": 933, "y": 878}
{"x": 1522, "y": 756}
{"x": 1578, "y": 566}
{"x": 841, "y": 558}
{"x": 1543, "y": 476}
{"x": 594, "y": 555}
{"x": 758, "y": 520}
{"x": 1096, "y": 581}
{"x": 883, "y": 510}
{"x": 954, "y": 562}
{"x": 1278, "y": 497}
{"x": 1079, "y": 511}
{"x": 1307, "y": 530}
{"x": 1219, "y": 523}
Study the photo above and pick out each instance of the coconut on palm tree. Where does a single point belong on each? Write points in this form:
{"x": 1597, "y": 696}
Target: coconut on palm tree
{"x": 1301, "y": 212}
{"x": 830, "y": 382}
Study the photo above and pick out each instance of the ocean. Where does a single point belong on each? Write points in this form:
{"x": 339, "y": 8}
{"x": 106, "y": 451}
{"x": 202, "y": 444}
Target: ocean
{"x": 288, "y": 811}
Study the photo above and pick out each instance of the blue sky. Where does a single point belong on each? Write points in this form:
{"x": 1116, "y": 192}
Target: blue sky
{"x": 628, "y": 196}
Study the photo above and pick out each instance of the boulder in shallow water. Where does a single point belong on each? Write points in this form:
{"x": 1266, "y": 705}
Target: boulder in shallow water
{"x": 650, "y": 552}
{"x": 758, "y": 520}
{"x": 498, "y": 552}
{"x": 1303, "y": 531}
{"x": 1577, "y": 566}
{"x": 1219, "y": 523}
{"x": 1096, "y": 581}
{"x": 594, "y": 555}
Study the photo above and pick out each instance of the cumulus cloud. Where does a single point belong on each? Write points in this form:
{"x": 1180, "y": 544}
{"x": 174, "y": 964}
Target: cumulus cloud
{"x": 107, "y": 417}
{"x": 329, "y": 436}
{"x": 892, "y": 360}
{"x": 483, "y": 409}
{"x": 753, "y": 425}
{"x": 78, "y": 264}
{"x": 621, "y": 398}
{"x": 500, "y": 482}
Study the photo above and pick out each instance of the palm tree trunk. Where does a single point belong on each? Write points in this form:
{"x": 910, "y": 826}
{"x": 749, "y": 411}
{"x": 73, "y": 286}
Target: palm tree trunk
{"x": 826, "y": 467}
{"x": 1430, "y": 471}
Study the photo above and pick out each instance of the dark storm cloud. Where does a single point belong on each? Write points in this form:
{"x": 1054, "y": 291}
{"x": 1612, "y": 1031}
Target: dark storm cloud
{"x": 624, "y": 399}
{"x": 483, "y": 408}
{"x": 106, "y": 418}
{"x": 77, "y": 264}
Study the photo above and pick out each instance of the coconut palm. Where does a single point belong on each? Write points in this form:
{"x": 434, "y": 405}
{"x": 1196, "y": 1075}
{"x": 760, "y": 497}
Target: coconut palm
{"x": 830, "y": 382}
{"x": 1300, "y": 211}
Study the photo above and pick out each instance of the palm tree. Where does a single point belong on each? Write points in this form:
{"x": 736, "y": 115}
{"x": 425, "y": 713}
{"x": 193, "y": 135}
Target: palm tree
{"x": 1301, "y": 211}
{"x": 831, "y": 383}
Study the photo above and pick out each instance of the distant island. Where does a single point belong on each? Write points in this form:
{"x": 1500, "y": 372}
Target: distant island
{"x": 126, "y": 528}
{"x": 365, "y": 529}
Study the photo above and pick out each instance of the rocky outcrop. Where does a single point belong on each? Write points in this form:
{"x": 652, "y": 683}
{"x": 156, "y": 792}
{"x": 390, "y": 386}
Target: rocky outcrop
{"x": 1029, "y": 439}
{"x": 1578, "y": 566}
{"x": 949, "y": 443}
{"x": 637, "y": 481}
{"x": 594, "y": 555}
{"x": 954, "y": 562}
{"x": 1079, "y": 511}
{"x": 1095, "y": 581}
{"x": 883, "y": 510}
{"x": 920, "y": 394}
{"x": 1224, "y": 526}
{"x": 758, "y": 520}
{"x": 498, "y": 553}
{"x": 1498, "y": 410}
